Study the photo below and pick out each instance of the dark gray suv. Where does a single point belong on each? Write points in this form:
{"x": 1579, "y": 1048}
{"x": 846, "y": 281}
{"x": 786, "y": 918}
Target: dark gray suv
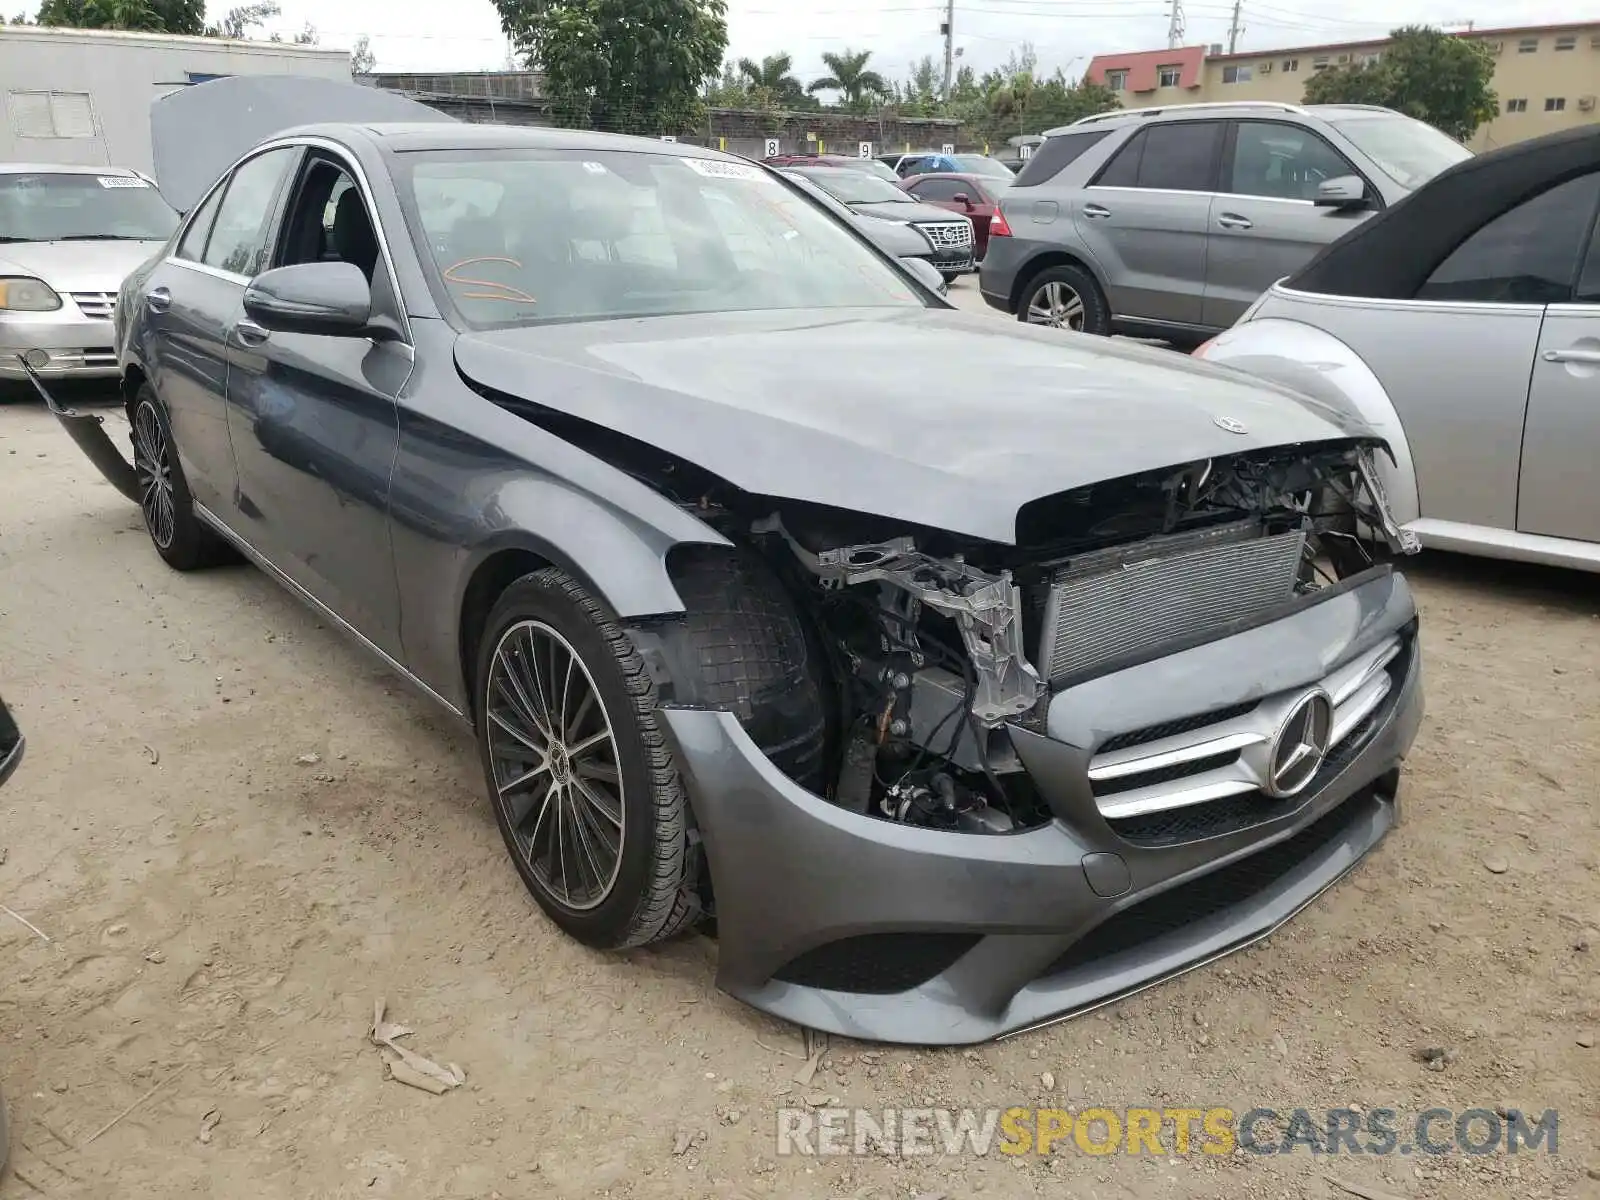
{"x": 1169, "y": 222}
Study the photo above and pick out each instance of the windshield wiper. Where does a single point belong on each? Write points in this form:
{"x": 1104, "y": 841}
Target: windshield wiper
{"x": 103, "y": 237}
{"x": 8, "y": 239}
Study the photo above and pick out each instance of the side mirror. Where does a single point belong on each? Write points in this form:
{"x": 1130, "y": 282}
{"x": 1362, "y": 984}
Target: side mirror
{"x": 1347, "y": 191}
{"x": 962, "y": 198}
{"x": 927, "y": 274}
{"x": 329, "y": 298}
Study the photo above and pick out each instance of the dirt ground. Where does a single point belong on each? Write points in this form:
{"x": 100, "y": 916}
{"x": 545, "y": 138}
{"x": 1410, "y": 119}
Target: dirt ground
{"x": 221, "y": 916}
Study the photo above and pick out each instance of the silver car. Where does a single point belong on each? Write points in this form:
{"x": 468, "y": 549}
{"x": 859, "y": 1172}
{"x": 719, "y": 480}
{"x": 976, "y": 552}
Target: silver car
{"x": 69, "y": 236}
{"x": 1464, "y": 328}
{"x": 1169, "y": 222}
{"x": 871, "y": 199}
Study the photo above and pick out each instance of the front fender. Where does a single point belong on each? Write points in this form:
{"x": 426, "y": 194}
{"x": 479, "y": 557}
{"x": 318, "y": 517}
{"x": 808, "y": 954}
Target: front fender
{"x": 1318, "y": 364}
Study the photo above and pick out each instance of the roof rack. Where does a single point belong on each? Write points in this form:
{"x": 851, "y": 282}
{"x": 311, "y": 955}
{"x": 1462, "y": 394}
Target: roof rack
{"x": 1361, "y": 107}
{"x": 1277, "y": 105}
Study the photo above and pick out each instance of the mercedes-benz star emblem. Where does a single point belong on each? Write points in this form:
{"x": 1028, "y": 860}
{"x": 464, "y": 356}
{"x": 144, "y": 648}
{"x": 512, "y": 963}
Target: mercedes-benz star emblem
{"x": 1230, "y": 424}
{"x": 1301, "y": 746}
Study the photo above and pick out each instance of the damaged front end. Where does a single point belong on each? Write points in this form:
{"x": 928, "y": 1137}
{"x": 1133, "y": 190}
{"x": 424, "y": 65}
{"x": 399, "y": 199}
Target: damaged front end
{"x": 87, "y": 430}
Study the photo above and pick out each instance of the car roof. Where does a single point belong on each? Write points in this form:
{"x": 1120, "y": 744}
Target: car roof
{"x": 23, "y": 168}
{"x": 1391, "y": 254}
{"x": 1122, "y": 117}
{"x": 408, "y": 137}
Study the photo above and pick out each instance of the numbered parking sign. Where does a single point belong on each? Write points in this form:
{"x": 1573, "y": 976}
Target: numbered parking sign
{"x": 773, "y": 148}
{"x": 669, "y": 137}
{"x": 1025, "y": 151}
{"x": 865, "y": 150}
{"x": 948, "y": 148}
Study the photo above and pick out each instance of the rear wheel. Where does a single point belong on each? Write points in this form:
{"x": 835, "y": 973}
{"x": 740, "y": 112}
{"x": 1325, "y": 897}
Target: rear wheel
{"x": 180, "y": 537}
{"x": 1065, "y": 297}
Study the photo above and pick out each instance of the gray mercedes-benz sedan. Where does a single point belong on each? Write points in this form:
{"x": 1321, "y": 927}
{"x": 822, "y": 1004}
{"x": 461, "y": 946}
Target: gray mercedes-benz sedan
{"x": 960, "y": 711}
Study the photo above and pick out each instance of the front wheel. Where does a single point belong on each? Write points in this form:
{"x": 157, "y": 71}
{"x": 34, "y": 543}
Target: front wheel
{"x": 179, "y": 536}
{"x": 1065, "y": 297}
{"x": 583, "y": 783}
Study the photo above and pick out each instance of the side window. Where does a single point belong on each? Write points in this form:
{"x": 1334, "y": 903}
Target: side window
{"x": 1589, "y": 282}
{"x": 193, "y": 245}
{"x": 1055, "y": 155}
{"x": 238, "y": 242}
{"x": 1123, "y": 169}
{"x": 1529, "y": 255}
{"x": 1181, "y": 156}
{"x": 940, "y": 189}
{"x": 1284, "y": 162}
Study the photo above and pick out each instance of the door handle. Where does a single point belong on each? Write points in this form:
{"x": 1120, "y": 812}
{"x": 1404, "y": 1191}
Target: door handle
{"x": 1588, "y": 357}
{"x": 250, "y": 334}
{"x": 1095, "y": 210}
{"x": 1233, "y": 221}
{"x": 158, "y": 300}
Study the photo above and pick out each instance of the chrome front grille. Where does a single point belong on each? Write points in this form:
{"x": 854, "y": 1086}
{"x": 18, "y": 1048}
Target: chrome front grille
{"x": 1232, "y": 755}
{"x": 949, "y": 234}
{"x": 95, "y": 304}
{"x": 1113, "y": 603}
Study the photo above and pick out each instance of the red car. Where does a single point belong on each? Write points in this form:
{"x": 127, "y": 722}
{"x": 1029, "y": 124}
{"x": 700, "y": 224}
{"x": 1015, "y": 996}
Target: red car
{"x": 974, "y": 196}
{"x": 870, "y": 165}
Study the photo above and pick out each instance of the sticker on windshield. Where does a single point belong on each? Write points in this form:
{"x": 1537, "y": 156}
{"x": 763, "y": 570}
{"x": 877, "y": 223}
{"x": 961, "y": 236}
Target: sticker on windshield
{"x": 121, "y": 181}
{"x": 713, "y": 168}
{"x": 595, "y": 168}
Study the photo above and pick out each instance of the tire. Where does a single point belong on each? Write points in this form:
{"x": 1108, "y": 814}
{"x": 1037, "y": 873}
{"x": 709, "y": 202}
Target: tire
{"x": 640, "y": 812}
{"x": 179, "y": 536}
{"x": 1072, "y": 294}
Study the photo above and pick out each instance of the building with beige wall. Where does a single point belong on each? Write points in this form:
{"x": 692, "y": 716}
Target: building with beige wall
{"x": 1547, "y": 77}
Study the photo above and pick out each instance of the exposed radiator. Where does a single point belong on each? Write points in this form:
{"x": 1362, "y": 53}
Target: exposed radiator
{"x": 1117, "y": 602}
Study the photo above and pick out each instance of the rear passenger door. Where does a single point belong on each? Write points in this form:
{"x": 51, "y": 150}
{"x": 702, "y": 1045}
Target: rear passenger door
{"x": 1264, "y": 222}
{"x": 1144, "y": 219}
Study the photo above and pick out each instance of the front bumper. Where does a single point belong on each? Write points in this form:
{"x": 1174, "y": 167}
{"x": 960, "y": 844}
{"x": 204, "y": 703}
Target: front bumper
{"x": 874, "y": 930}
{"x": 87, "y": 430}
{"x": 62, "y": 345}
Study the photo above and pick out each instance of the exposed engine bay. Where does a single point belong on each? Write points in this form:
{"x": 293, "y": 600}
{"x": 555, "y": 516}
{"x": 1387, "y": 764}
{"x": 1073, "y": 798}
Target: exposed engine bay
{"x": 936, "y": 643}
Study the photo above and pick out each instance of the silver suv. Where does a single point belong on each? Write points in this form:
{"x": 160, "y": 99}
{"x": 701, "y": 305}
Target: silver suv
{"x": 1169, "y": 222}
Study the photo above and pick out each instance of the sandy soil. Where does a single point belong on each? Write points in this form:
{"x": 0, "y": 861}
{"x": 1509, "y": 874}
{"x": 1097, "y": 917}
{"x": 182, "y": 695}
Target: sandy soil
{"x": 221, "y": 917}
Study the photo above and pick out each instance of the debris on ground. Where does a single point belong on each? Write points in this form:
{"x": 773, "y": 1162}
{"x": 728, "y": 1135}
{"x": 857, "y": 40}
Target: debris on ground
{"x": 816, "y": 1045}
{"x": 409, "y": 1067}
{"x": 1435, "y": 1058}
{"x": 308, "y": 760}
{"x": 1496, "y": 864}
{"x": 207, "y": 1124}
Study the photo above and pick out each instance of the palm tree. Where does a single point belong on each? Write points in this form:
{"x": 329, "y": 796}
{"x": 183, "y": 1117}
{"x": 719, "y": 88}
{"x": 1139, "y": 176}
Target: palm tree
{"x": 850, "y": 78}
{"x": 772, "y": 76}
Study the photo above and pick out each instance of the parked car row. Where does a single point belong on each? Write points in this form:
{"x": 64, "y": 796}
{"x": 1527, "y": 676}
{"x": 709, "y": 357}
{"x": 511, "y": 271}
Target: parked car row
{"x": 950, "y": 238}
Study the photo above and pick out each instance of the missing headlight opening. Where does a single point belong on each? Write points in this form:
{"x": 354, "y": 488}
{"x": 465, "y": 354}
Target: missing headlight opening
{"x": 884, "y": 666}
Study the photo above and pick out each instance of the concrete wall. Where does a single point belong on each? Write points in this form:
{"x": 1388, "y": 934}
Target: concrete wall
{"x": 79, "y": 96}
{"x": 1548, "y": 65}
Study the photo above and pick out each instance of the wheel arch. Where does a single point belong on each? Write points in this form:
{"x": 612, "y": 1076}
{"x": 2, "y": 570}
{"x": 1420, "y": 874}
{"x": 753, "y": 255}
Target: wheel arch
{"x": 1042, "y": 262}
{"x": 1316, "y": 363}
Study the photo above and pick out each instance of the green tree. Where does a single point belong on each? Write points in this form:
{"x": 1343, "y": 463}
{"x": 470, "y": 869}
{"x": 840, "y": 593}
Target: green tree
{"x": 238, "y": 22}
{"x": 153, "y": 16}
{"x": 1424, "y": 73}
{"x": 857, "y": 86}
{"x": 362, "y": 60}
{"x": 636, "y": 66}
{"x": 772, "y": 76}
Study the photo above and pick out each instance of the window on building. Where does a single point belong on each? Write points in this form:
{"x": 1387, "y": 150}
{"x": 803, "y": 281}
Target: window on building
{"x": 1167, "y": 76}
{"x": 1366, "y": 60}
{"x": 52, "y": 114}
{"x": 1319, "y": 63}
{"x": 1528, "y": 46}
{"x": 1117, "y": 81}
{"x": 1569, "y": 42}
{"x": 1516, "y": 106}
{"x": 1291, "y": 64}
{"x": 1528, "y": 255}
{"x": 1555, "y": 104}
{"x": 1236, "y": 74}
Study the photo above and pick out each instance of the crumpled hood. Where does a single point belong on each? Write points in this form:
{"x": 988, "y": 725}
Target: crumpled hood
{"x": 76, "y": 266}
{"x": 945, "y": 419}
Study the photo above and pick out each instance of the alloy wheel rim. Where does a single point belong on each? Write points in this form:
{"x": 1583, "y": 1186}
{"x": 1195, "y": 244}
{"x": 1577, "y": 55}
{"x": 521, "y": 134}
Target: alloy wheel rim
{"x": 154, "y": 474}
{"x": 1056, "y": 305}
{"x": 553, "y": 757}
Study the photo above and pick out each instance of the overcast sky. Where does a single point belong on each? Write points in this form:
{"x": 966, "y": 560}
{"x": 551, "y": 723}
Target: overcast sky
{"x": 464, "y": 35}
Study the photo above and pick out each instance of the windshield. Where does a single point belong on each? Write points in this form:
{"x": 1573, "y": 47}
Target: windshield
{"x": 978, "y": 164}
{"x": 873, "y": 167}
{"x": 857, "y": 187}
{"x": 522, "y": 237}
{"x": 69, "y": 207}
{"x": 1406, "y": 150}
